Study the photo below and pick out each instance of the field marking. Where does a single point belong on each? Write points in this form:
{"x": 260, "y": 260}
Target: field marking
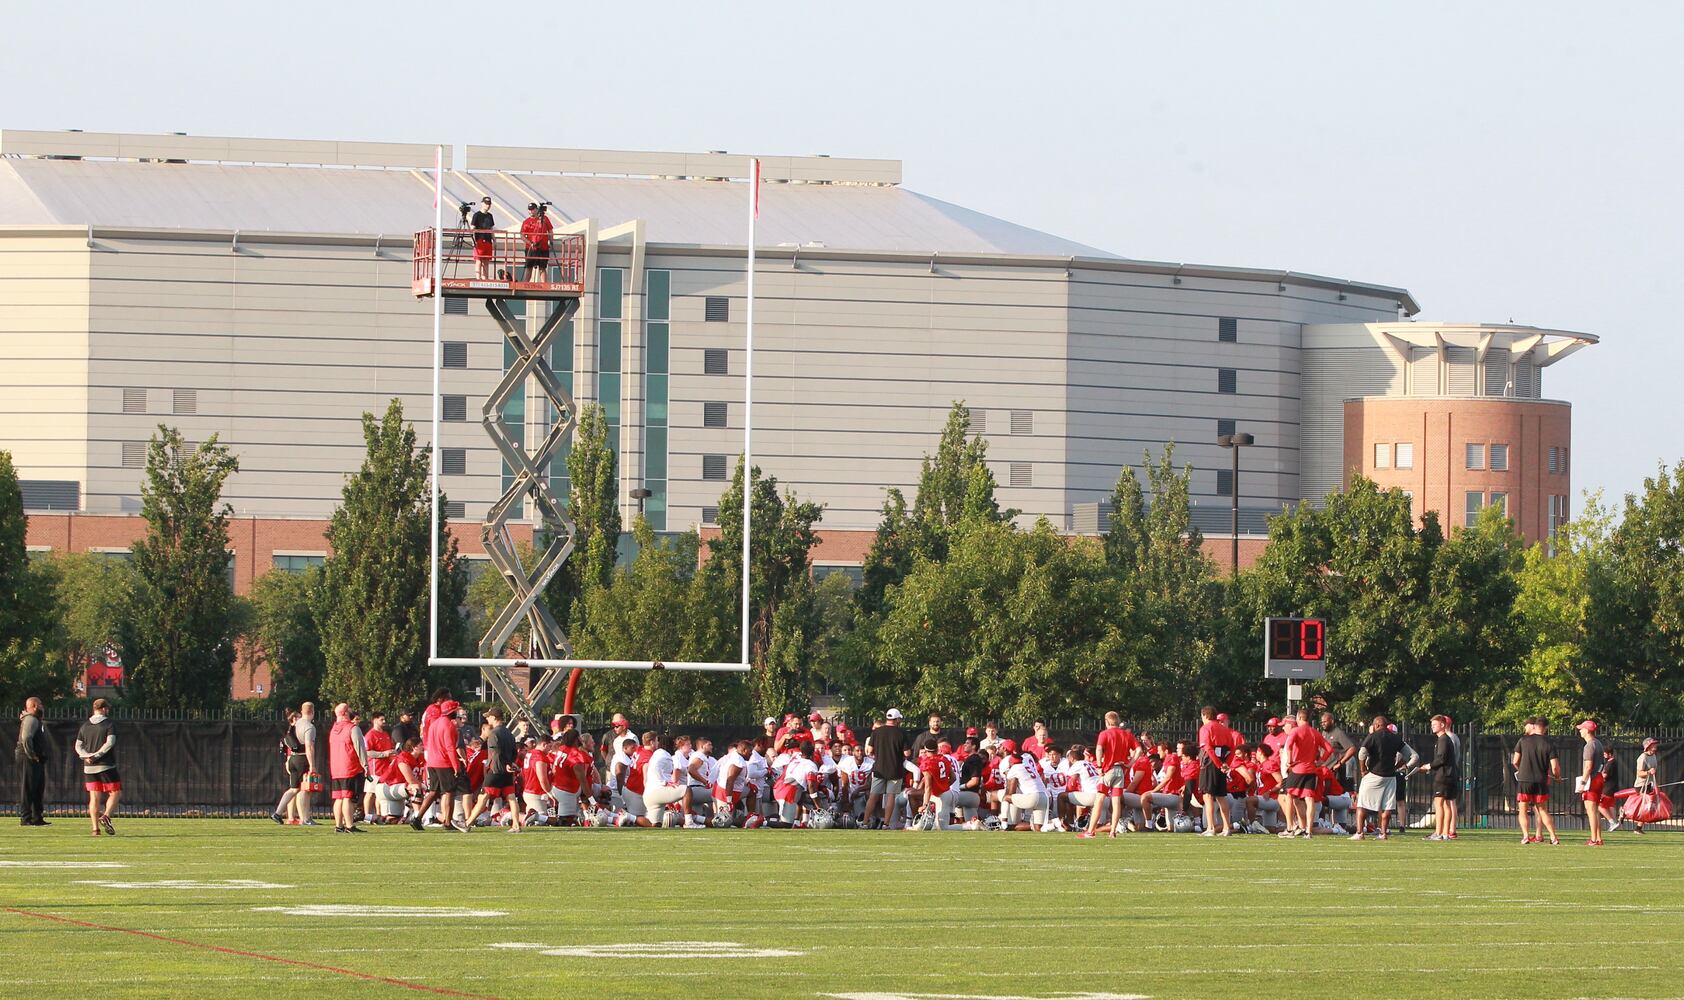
{"x": 219, "y": 949}
{"x": 187, "y": 883}
{"x": 358, "y": 910}
{"x": 63, "y": 866}
{"x": 985, "y": 996}
{"x": 654, "y": 949}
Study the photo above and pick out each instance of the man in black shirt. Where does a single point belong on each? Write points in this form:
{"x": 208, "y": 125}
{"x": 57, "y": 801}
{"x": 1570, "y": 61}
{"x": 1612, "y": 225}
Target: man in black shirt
{"x": 1535, "y": 766}
{"x": 973, "y": 774}
{"x": 404, "y": 730}
{"x": 32, "y": 754}
{"x": 483, "y": 224}
{"x": 500, "y": 771}
{"x": 889, "y": 751}
{"x": 1378, "y": 758}
{"x": 1446, "y": 769}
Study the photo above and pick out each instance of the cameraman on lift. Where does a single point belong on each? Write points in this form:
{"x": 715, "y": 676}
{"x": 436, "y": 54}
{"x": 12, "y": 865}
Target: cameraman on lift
{"x": 483, "y": 224}
{"x": 535, "y": 232}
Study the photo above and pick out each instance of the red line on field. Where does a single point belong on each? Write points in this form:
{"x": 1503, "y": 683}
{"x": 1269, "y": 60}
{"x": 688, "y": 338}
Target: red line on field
{"x": 370, "y": 977}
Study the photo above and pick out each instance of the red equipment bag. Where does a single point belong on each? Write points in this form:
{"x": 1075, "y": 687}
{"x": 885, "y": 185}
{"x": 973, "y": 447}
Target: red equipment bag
{"x": 1647, "y": 806}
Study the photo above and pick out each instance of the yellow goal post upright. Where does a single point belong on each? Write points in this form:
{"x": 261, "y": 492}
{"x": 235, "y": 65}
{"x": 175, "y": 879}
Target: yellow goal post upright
{"x": 496, "y": 266}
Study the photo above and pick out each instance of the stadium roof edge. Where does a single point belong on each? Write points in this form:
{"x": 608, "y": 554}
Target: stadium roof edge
{"x": 1405, "y": 300}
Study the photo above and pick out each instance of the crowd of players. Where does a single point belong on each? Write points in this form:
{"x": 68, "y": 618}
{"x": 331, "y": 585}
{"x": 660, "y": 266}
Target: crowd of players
{"x": 1301, "y": 779}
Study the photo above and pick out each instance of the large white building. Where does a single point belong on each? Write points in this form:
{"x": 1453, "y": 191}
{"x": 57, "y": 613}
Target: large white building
{"x": 260, "y": 290}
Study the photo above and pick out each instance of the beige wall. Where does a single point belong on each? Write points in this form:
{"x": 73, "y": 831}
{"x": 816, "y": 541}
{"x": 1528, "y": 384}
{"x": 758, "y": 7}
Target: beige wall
{"x": 44, "y": 395}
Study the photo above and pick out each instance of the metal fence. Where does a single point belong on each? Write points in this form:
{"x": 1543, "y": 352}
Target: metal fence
{"x": 176, "y": 765}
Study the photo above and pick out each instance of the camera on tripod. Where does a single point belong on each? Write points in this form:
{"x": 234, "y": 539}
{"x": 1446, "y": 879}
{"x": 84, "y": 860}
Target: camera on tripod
{"x": 543, "y": 208}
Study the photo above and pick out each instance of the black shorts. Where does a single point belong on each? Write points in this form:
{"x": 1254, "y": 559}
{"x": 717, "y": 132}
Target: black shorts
{"x": 296, "y": 767}
{"x": 1212, "y": 781}
{"x": 539, "y": 259}
{"x": 1446, "y": 787}
{"x": 1294, "y": 780}
{"x": 444, "y": 781}
{"x": 500, "y": 784}
{"x": 348, "y": 788}
{"x": 1533, "y": 791}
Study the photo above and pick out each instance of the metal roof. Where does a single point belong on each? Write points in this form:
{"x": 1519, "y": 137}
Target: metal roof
{"x": 294, "y": 199}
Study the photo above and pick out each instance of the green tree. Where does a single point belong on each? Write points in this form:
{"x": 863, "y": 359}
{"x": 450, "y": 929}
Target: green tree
{"x": 1013, "y": 623}
{"x": 593, "y": 503}
{"x": 284, "y": 635}
{"x": 372, "y": 605}
{"x": 179, "y": 626}
{"x": 783, "y": 539}
{"x": 91, "y": 592}
{"x": 30, "y": 638}
{"x": 1635, "y": 625}
{"x": 489, "y": 593}
{"x": 1168, "y": 583}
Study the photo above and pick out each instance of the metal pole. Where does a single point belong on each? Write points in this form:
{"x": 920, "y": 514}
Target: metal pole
{"x": 748, "y": 392}
{"x": 438, "y": 362}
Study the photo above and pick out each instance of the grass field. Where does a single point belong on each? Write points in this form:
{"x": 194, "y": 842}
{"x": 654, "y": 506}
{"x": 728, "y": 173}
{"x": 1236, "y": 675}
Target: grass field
{"x": 795, "y": 914}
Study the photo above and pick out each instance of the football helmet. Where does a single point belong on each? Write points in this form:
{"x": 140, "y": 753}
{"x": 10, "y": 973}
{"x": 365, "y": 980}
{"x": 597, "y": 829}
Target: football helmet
{"x": 1183, "y": 824}
{"x": 993, "y": 823}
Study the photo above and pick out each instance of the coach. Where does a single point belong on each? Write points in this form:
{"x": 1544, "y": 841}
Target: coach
{"x": 889, "y": 747}
{"x": 32, "y": 753}
{"x": 1379, "y": 757}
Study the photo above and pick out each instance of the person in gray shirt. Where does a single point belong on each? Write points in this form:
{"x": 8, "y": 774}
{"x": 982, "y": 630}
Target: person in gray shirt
{"x": 32, "y": 753}
{"x": 1648, "y": 770}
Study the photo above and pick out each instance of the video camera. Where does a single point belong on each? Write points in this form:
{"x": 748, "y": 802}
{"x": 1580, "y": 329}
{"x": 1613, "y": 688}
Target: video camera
{"x": 543, "y": 208}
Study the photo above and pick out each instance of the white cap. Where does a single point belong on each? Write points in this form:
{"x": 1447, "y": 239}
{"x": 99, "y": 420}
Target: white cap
{"x": 769, "y": 721}
{"x": 893, "y": 713}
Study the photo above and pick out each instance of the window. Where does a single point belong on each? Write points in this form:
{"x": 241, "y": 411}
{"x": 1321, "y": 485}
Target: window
{"x": 1227, "y": 381}
{"x": 1228, "y": 330}
{"x": 1022, "y": 474}
{"x": 1500, "y": 501}
{"x": 187, "y": 401}
{"x": 1405, "y": 457}
{"x": 716, "y": 361}
{"x": 456, "y": 354}
{"x": 1225, "y": 427}
{"x": 1023, "y": 422}
{"x": 657, "y": 351}
{"x": 855, "y": 574}
{"x": 1382, "y": 456}
{"x": 453, "y": 461}
{"x": 1224, "y": 482}
{"x": 51, "y": 494}
{"x": 1476, "y": 456}
{"x": 713, "y": 414}
{"x": 1555, "y": 460}
{"x": 456, "y": 509}
{"x": 454, "y": 408}
{"x": 1410, "y": 496}
{"x": 979, "y": 421}
{"x": 1475, "y": 501}
{"x": 134, "y": 454}
{"x": 1558, "y": 519}
{"x": 610, "y": 314}
{"x": 297, "y": 562}
{"x": 713, "y": 467}
{"x": 561, "y": 362}
{"x": 454, "y": 306}
{"x": 717, "y": 309}
{"x": 1499, "y": 458}
{"x": 134, "y": 400}
{"x": 710, "y": 515}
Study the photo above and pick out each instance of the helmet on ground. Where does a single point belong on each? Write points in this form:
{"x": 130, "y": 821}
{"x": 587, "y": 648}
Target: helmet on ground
{"x": 1183, "y": 824}
{"x": 1161, "y": 822}
{"x": 993, "y": 823}
{"x": 823, "y": 819}
{"x": 603, "y": 818}
{"x": 721, "y": 819}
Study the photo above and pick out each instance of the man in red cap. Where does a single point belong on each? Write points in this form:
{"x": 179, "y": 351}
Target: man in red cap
{"x": 447, "y": 773}
{"x": 1115, "y": 749}
{"x": 1591, "y": 778}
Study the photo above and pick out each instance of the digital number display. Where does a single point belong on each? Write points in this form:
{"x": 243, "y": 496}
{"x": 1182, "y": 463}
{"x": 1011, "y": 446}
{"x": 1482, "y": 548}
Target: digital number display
{"x": 1295, "y": 648}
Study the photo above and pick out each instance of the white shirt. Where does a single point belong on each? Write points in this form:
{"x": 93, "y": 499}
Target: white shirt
{"x": 798, "y": 771}
{"x": 660, "y": 769}
{"x": 1087, "y": 773}
{"x": 735, "y": 765}
{"x": 709, "y": 771}
{"x": 1028, "y": 778}
{"x": 757, "y": 769}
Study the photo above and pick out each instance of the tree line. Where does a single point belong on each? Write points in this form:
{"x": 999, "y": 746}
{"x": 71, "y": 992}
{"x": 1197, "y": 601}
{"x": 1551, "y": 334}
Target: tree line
{"x": 960, "y": 608}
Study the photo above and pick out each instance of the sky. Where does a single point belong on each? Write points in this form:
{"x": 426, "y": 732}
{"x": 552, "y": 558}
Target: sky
{"x": 1502, "y": 161}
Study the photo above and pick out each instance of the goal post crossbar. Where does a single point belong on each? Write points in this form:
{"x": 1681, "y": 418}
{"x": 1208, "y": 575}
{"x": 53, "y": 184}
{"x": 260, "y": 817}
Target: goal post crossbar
{"x": 541, "y": 664}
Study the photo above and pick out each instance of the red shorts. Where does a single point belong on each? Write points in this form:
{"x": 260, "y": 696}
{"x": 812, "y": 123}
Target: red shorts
{"x": 721, "y": 794}
{"x": 1594, "y": 792}
{"x": 482, "y": 249}
{"x": 1536, "y": 797}
{"x": 108, "y": 781}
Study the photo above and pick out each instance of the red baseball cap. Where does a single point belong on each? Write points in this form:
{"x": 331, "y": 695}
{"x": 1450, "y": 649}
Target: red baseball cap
{"x": 1008, "y": 746}
{"x": 970, "y": 731}
{"x": 1587, "y": 725}
{"x": 1272, "y": 721}
{"x": 1222, "y": 717}
{"x": 448, "y": 707}
{"x": 815, "y": 717}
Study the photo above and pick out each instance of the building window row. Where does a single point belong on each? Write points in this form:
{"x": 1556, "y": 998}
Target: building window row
{"x": 657, "y": 343}
{"x": 1494, "y": 458}
{"x": 298, "y": 562}
{"x": 1558, "y": 519}
{"x": 182, "y": 401}
{"x": 1558, "y": 461}
{"x": 1400, "y": 454}
{"x": 1477, "y": 501}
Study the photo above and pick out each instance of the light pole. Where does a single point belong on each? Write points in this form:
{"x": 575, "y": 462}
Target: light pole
{"x": 1234, "y": 442}
{"x": 641, "y": 494}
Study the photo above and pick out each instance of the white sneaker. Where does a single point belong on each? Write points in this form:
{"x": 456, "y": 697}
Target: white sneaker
{"x": 692, "y": 823}
{"x": 1338, "y": 830}
{"x": 1257, "y": 827}
{"x": 1208, "y": 833}
{"x": 1357, "y": 836}
{"x": 1613, "y": 825}
{"x": 1287, "y": 834}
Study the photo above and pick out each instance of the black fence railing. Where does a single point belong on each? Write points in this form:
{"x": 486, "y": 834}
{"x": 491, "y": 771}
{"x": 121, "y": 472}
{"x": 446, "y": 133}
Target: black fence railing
{"x": 184, "y": 765}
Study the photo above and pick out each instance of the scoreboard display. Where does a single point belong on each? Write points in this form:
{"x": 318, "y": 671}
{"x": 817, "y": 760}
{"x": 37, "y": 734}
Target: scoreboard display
{"x": 1294, "y": 648}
